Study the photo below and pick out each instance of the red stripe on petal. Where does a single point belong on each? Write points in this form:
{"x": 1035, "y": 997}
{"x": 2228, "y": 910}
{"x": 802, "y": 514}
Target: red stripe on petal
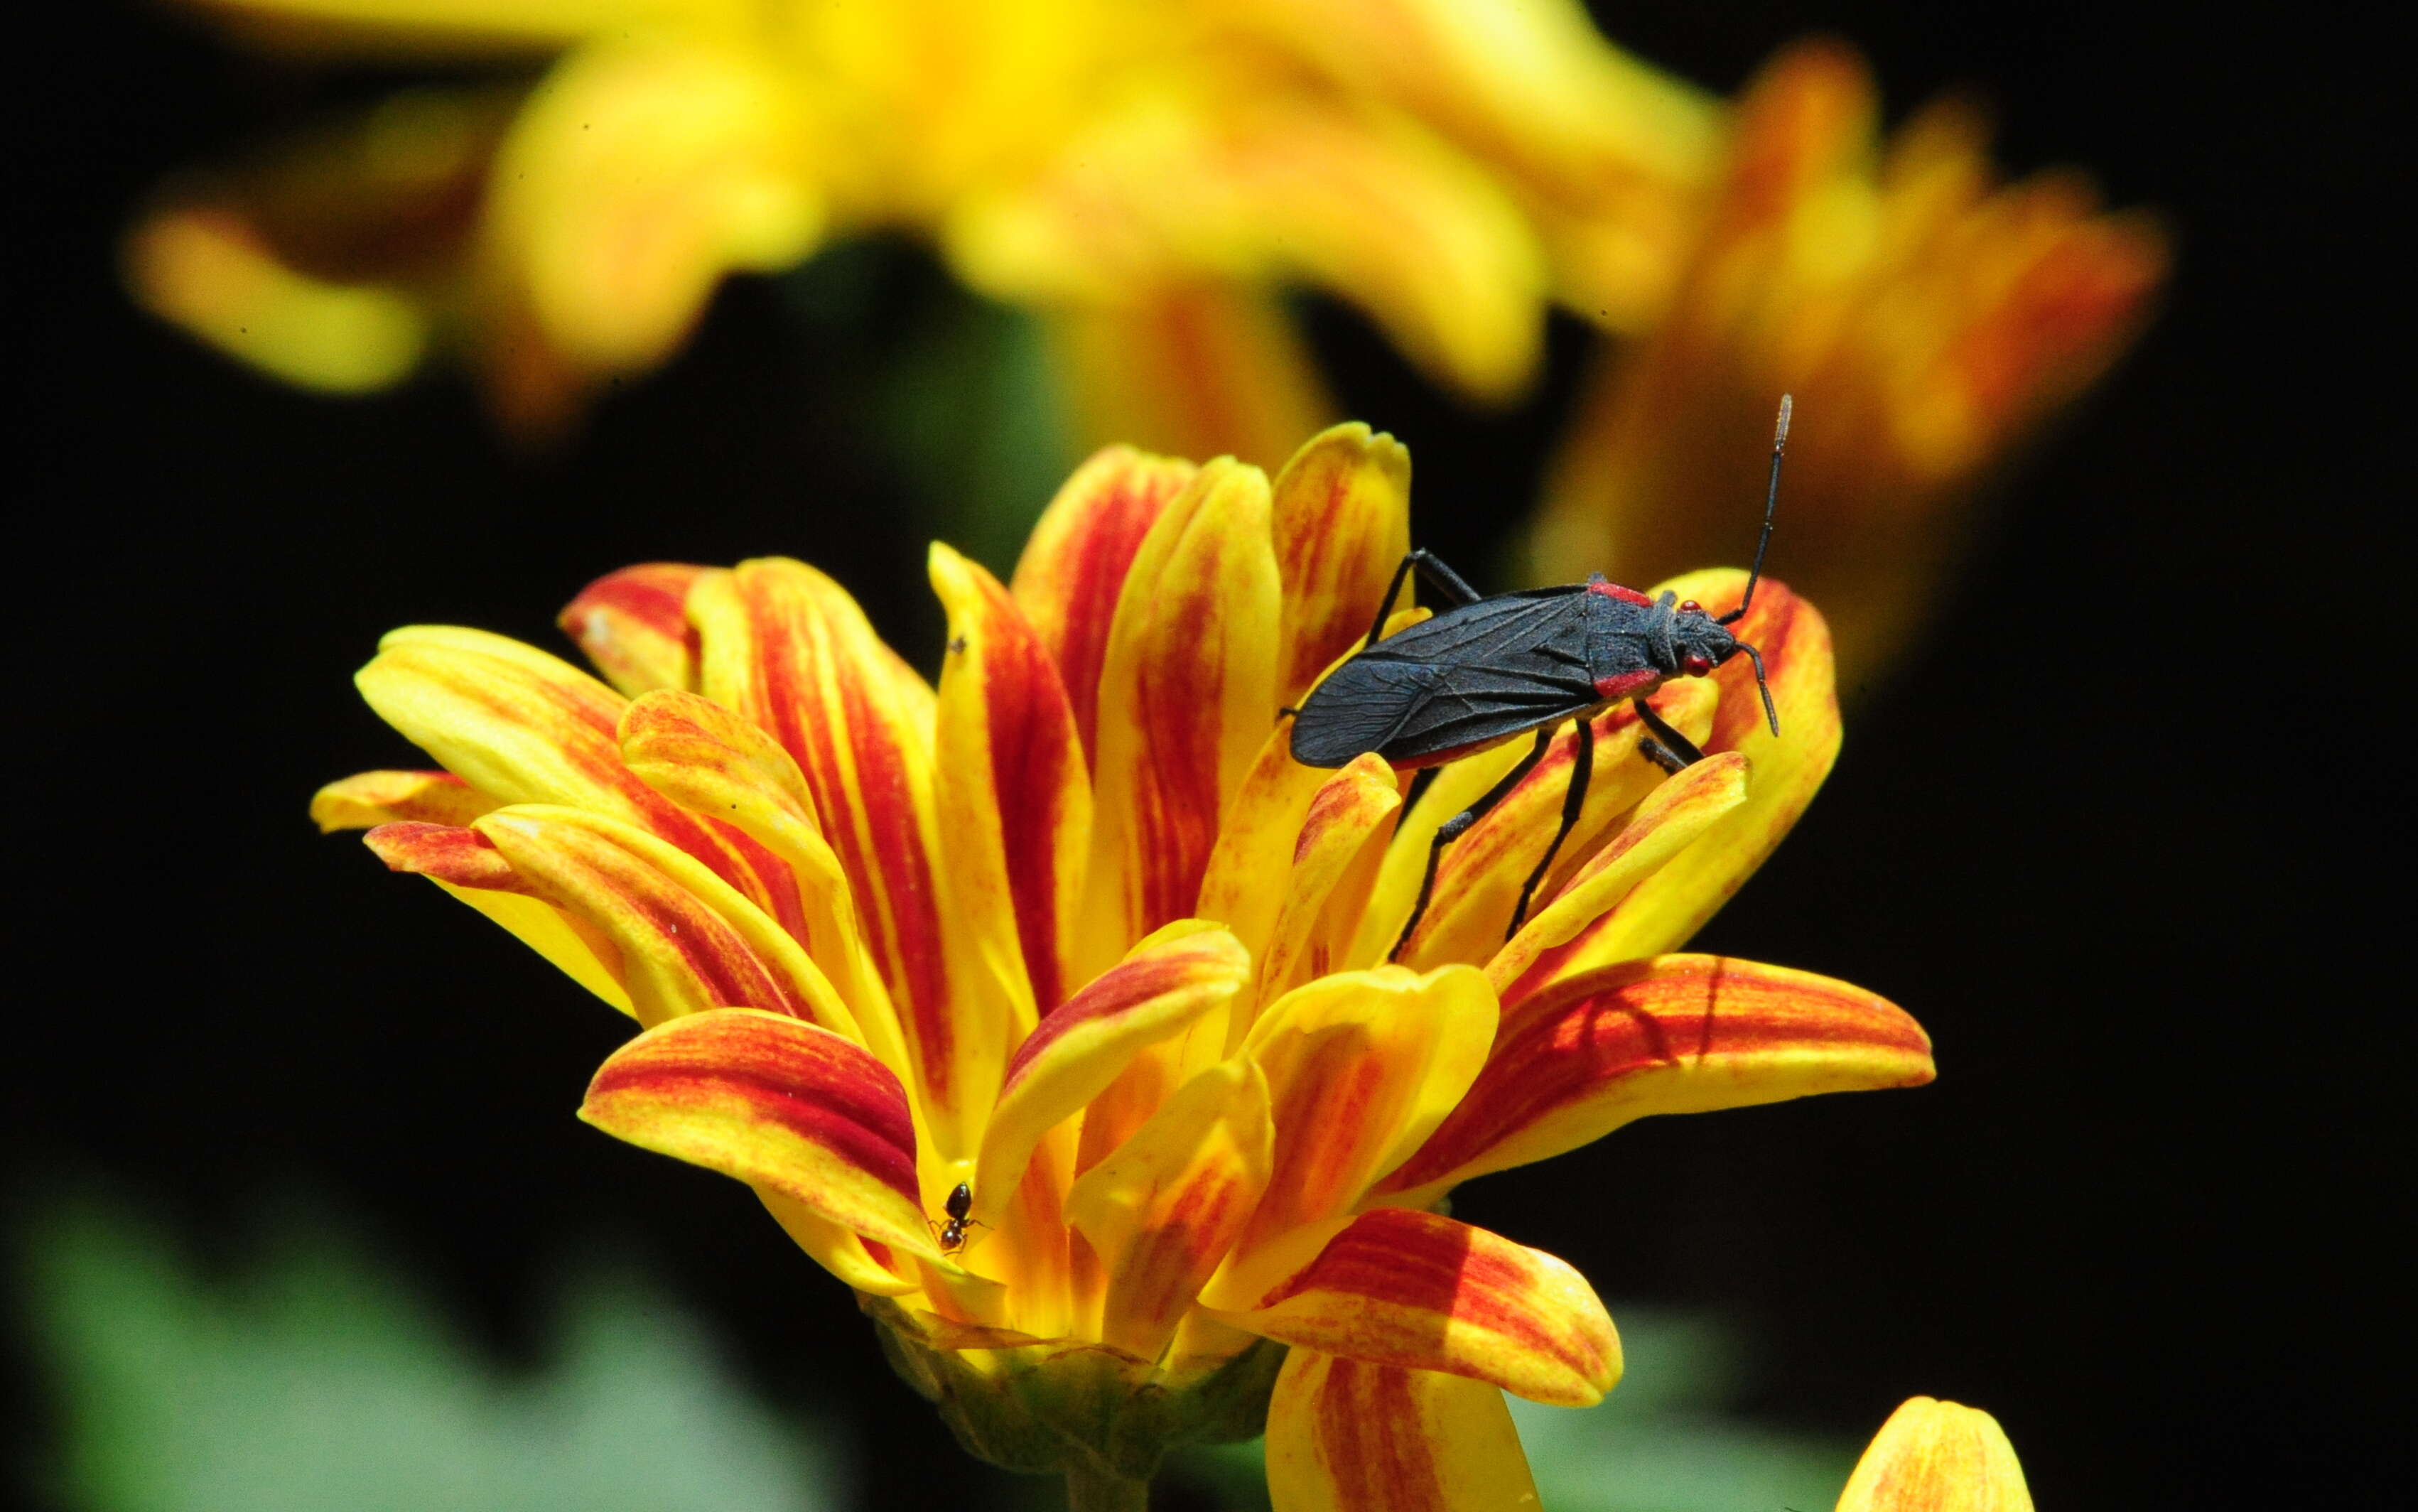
{"x": 464, "y": 857}
{"x": 634, "y": 625}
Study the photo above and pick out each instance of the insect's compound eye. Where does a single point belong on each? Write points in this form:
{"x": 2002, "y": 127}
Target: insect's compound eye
{"x": 1690, "y": 607}
{"x": 1695, "y": 665}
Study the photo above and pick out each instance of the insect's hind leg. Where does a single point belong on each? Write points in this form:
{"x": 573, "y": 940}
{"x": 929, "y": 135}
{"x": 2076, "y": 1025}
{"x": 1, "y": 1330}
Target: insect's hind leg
{"x": 1433, "y": 571}
{"x": 1574, "y": 802}
{"x": 1666, "y": 747}
{"x": 1456, "y": 826}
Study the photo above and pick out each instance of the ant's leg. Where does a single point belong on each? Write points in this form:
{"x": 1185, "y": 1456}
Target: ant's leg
{"x": 1574, "y": 801}
{"x": 1456, "y": 826}
{"x": 1666, "y": 747}
{"x": 1433, "y": 573}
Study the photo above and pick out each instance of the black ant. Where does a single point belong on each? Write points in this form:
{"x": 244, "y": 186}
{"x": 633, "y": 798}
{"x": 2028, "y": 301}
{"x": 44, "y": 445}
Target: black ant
{"x": 952, "y": 1234}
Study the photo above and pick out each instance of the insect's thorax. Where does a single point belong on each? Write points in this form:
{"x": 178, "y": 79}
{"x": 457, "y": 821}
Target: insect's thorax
{"x": 1629, "y": 645}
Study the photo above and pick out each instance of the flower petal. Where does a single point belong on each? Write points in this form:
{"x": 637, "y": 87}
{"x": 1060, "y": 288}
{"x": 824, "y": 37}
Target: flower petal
{"x": 861, "y": 1264}
{"x": 1937, "y": 1456}
{"x": 1424, "y": 1292}
{"x": 1167, "y": 982}
{"x": 1345, "y": 1435}
{"x": 783, "y": 1105}
{"x": 634, "y": 625}
{"x": 1187, "y": 693}
{"x": 1161, "y": 1210}
{"x": 1361, "y": 1066}
{"x": 466, "y": 864}
{"x": 1674, "y": 1034}
{"x": 1340, "y": 514}
{"x": 1256, "y": 838}
{"x": 372, "y": 798}
{"x": 1075, "y": 562}
{"x": 1014, "y": 797}
{"x": 1332, "y": 872}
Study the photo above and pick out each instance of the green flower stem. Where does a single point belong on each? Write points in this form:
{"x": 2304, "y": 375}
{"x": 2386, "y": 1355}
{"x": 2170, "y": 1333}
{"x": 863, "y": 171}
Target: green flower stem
{"x": 1093, "y": 1489}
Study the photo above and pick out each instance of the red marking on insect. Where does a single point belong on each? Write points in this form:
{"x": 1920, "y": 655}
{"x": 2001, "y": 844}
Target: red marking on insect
{"x": 1613, "y": 591}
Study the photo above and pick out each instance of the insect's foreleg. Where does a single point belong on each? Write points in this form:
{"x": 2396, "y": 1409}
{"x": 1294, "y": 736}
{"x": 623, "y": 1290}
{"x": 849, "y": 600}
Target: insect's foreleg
{"x": 1456, "y": 826}
{"x": 1574, "y": 801}
{"x": 1666, "y": 747}
{"x": 1431, "y": 570}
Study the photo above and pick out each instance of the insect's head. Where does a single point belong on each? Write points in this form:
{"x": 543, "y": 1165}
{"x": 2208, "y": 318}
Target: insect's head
{"x": 1704, "y": 642}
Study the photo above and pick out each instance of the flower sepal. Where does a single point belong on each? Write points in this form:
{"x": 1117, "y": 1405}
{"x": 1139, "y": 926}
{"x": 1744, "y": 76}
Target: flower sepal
{"x": 1068, "y": 1406}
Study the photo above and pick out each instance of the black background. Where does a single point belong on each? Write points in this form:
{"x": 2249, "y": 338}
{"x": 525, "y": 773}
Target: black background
{"x": 2126, "y": 835}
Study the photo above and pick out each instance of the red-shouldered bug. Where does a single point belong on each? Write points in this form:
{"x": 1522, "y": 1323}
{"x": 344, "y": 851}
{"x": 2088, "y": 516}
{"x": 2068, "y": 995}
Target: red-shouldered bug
{"x": 1483, "y": 671}
{"x": 952, "y": 1234}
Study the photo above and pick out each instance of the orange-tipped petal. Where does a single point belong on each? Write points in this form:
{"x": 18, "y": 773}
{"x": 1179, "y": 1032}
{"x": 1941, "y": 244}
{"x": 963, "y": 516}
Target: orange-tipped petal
{"x": 1014, "y": 797}
{"x": 783, "y": 1105}
{"x": 1361, "y": 1067}
{"x": 683, "y": 941}
{"x": 1075, "y": 562}
{"x": 1345, "y": 1435}
{"x": 1165, "y": 983}
{"x": 1670, "y": 818}
{"x": 1313, "y": 926}
{"x": 786, "y": 648}
{"x": 1161, "y": 1210}
{"x": 1675, "y": 1035}
{"x": 466, "y": 864}
{"x": 1341, "y": 520}
{"x": 374, "y": 797}
{"x": 1187, "y": 692}
{"x": 527, "y": 728}
{"x": 1937, "y": 1456}
{"x": 634, "y": 625}
{"x": 1674, "y": 902}
{"x": 1423, "y": 1292}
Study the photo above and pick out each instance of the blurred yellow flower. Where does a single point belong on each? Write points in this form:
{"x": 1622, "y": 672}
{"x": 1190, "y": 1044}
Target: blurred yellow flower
{"x": 1937, "y": 1456}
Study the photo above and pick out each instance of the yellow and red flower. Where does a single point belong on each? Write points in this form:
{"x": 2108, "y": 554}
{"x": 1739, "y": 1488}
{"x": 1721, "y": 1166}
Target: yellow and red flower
{"x": 1073, "y": 930}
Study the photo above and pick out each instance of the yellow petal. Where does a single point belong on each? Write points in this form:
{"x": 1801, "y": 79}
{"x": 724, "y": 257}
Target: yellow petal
{"x": 466, "y": 864}
{"x": 448, "y": 28}
{"x": 1256, "y": 838}
{"x": 374, "y": 797}
{"x": 1937, "y": 1456}
{"x": 634, "y": 625}
{"x": 1341, "y": 513}
{"x": 1345, "y": 1435}
{"x": 844, "y": 1252}
{"x": 1345, "y": 829}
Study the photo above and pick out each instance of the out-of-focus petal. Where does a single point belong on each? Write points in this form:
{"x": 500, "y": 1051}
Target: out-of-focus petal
{"x": 1075, "y": 562}
{"x": 1675, "y": 1035}
{"x": 1340, "y": 514}
{"x": 451, "y": 28}
{"x": 786, "y": 648}
{"x": 1937, "y": 1456}
{"x": 1422, "y": 1292}
{"x": 1187, "y": 693}
{"x": 1332, "y": 872}
{"x": 634, "y": 625}
{"x": 1361, "y": 1067}
{"x": 1162, "y": 1210}
{"x": 466, "y": 864}
{"x": 372, "y": 798}
{"x": 1667, "y": 907}
{"x": 638, "y": 175}
{"x": 1193, "y": 370}
{"x": 1345, "y": 1435}
{"x": 1014, "y": 799}
{"x": 783, "y": 1105}
{"x": 1161, "y": 986}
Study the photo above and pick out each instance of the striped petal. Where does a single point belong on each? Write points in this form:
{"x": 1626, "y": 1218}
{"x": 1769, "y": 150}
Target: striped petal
{"x": 1789, "y": 767}
{"x": 1420, "y": 1291}
{"x": 1256, "y": 839}
{"x": 1333, "y": 869}
{"x": 1158, "y": 989}
{"x": 374, "y": 798}
{"x": 1674, "y": 1034}
{"x": 1361, "y": 1067}
{"x": 1340, "y": 514}
{"x": 1187, "y": 692}
{"x": 1013, "y": 795}
{"x": 1074, "y": 565}
{"x": 466, "y": 864}
{"x": 527, "y": 728}
{"x": 1345, "y": 1435}
{"x": 683, "y": 942}
{"x": 634, "y": 625}
{"x": 861, "y": 1264}
{"x": 1937, "y": 1456}
{"x": 1162, "y": 1211}
{"x": 785, "y": 1107}
{"x": 788, "y": 649}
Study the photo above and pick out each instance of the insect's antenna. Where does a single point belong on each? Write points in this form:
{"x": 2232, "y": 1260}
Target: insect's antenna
{"x": 1771, "y": 503}
{"x": 1761, "y": 686}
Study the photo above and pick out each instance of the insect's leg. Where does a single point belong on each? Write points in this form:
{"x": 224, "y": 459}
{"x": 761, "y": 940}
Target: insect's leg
{"x": 1437, "y": 576}
{"x": 1456, "y": 826}
{"x": 1421, "y": 781}
{"x": 1666, "y": 747}
{"x": 1574, "y": 801}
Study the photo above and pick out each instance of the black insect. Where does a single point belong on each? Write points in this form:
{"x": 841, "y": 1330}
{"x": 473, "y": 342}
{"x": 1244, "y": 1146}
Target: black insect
{"x": 1483, "y": 671}
{"x": 952, "y": 1234}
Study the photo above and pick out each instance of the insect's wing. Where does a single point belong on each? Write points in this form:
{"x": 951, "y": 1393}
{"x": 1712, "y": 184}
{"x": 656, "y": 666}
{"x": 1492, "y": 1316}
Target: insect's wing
{"x": 1358, "y": 708}
{"x": 1504, "y": 628}
{"x": 1473, "y": 704}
